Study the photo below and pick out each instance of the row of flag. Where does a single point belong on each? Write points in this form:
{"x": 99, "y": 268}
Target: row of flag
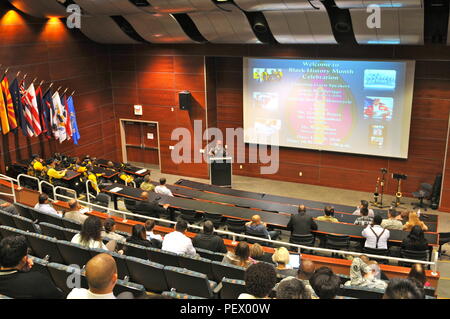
{"x": 36, "y": 112}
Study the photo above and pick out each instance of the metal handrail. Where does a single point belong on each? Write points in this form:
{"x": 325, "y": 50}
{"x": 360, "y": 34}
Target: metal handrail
{"x": 13, "y": 190}
{"x": 298, "y": 247}
{"x": 30, "y": 177}
{"x": 87, "y": 189}
{"x": 66, "y": 189}
{"x": 47, "y": 183}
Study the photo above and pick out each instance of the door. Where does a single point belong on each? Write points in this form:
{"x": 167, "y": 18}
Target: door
{"x": 141, "y": 142}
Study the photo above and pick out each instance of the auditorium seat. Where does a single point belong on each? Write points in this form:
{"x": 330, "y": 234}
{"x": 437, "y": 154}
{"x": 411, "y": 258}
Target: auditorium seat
{"x": 162, "y": 257}
{"x": 189, "y": 282}
{"x": 6, "y": 219}
{"x": 122, "y": 269}
{"x": 69, "y": 233}
{"x": 25, "y": 224}
{"x": 190, "y": 216}
{"x": 178, "y": 295}
{"x": 217, "y": 219}
{"x": 249, "y": 232}
{"x": 231, "y": 288}
{"x": 25, "y": 211}
{"x": 149, "y": 274}
{"x": 411, "y": 254}
{"x": 40, "y": 265}
{"x": 102, "y": 199}
{"x": 44, "y": 247}
{"x": 60, "y": 274}
{"x": 130, "y": 204}
{"x": 196, "y": 263}
{"x": 135, "y": 251}
{"x": 209, "y": 254}
{"x": 235, "y": 225}
{"x": 49, "y": 218}
{"x": 337, "y": 242}
{"x": 121, "y": 286}
{"x": 221, "y": 270}
{"x": 68, "y": 223}
{"x": 380, "y": 252}
{"x": 52, "y": 231}
{"x": 73, "y": 254}
{"x": 443, "y": 239}
{"x": 361, "y": 292}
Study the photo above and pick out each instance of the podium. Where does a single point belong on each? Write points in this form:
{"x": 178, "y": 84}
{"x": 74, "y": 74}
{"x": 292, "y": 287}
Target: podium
{"x": 220, "y": 171}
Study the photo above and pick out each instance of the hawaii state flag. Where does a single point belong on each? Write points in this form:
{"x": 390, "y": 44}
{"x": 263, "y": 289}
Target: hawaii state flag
{"x": 26, "y": 109}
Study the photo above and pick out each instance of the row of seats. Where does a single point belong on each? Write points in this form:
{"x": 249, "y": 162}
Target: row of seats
{"x": 59, "y": 274}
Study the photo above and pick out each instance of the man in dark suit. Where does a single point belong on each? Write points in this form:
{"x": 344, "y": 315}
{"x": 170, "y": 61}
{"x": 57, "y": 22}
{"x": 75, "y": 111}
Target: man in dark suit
{"x": 301, "y": 224}
{"x": 149, "y": 208}
{"x": 208, "y": 240}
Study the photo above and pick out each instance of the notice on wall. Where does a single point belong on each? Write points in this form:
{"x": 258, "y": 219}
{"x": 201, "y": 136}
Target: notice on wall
{"x": 150, "y": 136}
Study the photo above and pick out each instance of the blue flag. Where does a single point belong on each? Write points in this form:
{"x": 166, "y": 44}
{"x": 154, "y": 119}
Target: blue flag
{"x": 73, "y": 120}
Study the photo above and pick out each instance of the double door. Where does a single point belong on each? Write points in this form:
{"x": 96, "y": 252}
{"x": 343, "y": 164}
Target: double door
{"x": 141, "y": 142}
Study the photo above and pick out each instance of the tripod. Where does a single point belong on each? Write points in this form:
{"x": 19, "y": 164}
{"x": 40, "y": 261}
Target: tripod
{"x": 380, "y": 184}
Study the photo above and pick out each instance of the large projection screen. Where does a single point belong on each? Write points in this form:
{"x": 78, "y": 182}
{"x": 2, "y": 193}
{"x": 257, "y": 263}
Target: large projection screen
{"x": 361, "y": 107}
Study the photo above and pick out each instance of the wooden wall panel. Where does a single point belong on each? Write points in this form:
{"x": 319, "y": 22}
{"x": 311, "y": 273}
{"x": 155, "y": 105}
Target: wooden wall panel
{"x": 47, "y": 50}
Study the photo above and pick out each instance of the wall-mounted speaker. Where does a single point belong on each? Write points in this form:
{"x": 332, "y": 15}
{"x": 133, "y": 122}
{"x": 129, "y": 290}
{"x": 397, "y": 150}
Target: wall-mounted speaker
{"x": 185, "y": 100}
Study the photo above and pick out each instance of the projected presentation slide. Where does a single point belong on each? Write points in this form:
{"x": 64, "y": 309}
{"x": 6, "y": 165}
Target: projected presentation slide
{"x": 361, "y": 107}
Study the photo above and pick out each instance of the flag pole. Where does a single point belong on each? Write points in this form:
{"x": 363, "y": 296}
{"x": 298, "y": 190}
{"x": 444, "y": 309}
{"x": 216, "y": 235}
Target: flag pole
{"x": 65, "y": 90}
{"x": 59, "y": 89}
{"x": 18, "y": 73}
{"x": 72, "y": 93}
{"x": 40, "y": 84}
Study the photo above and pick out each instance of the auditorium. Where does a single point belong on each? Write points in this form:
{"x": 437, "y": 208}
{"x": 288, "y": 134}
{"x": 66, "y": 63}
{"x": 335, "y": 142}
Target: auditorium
{"x": 202, "y": 151}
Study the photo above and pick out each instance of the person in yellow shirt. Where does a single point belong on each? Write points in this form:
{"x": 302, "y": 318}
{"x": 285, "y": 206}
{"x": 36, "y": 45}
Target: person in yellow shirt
{"x": 54, "y": 174}
{"x": 93, "y": 178}
{"x": 147, "y": 185}
{"x": 126, "y": 178}
{"x": 328, "y": 217}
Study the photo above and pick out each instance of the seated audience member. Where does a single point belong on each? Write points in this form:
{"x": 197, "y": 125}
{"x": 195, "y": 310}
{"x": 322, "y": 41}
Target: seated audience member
{"x": 257, "y": 253}
{"x": 301, "y": 223}
{"x": 149, "y": 208}
{"x": 413, "y": 220}
{"x": 402, "y": 288}
{"x": 240, "y": 257}
{"x": 281, "y": 258}
{"x": 305, "y": 272}
{"x": 364, "y": 204}
{"x": 139, "y": 237}
{"x": 328, "y": 217}
{"x": 91, "y": 235}
{"x": 258, "y": 228}
{"x": 376, "y": 236}
{"x": 361, "y": 275}
{"x": 149, "y": 226}
{"x": 44, "y": 206}
{"x": 418, "y": 272}
{"x": 53, "y": 174}
{"x": 207, "y": 240}
{"x": 415, "y": 240}
{"x": 325, "y": 283}
{"x": 74, "y": 212}
{"x": 392, "y": 221}
{"x": 101, "y": 274}
{"x": 260, "y": 279}
{"x": 109, "y": 226}
{"x": 177, "y": 242}
{"x": 9, "y": 208}
{"x": 147, "y": 184}
{"x": 162, "y": 188}
{"x": 16, "y": 279}
{"x": 292, "y": 288}
{"x": 364, "y": 220}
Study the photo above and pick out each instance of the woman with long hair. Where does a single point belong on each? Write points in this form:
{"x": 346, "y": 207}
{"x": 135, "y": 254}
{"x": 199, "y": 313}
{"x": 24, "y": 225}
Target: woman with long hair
{"x": 413, "y": 220}
{"x": 139, "y": 237}
{"x": 90, "y": 235}
{"x": 240, "y": 257}
{"x": 415, "y": 240}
